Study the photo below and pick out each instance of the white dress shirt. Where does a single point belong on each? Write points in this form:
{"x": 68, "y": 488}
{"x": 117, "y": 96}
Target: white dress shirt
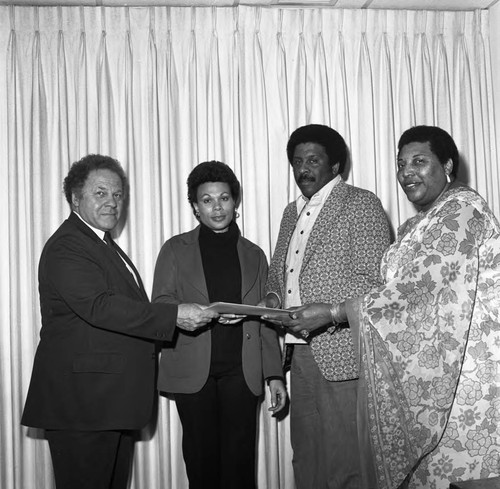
{"x": 308, "y": 211}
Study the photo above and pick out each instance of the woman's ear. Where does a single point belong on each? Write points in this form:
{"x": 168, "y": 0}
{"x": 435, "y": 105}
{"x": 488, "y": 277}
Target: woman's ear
{"x": 448, "y": 168}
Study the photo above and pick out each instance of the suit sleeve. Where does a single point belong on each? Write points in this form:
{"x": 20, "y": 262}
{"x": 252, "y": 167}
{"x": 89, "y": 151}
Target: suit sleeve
{"x": 90, "y": 289}
{"x": 369, "y": 238}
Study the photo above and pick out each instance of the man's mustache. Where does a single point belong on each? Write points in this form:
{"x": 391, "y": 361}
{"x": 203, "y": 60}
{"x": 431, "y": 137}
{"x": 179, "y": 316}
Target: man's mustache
{"x": 306, "y": 178}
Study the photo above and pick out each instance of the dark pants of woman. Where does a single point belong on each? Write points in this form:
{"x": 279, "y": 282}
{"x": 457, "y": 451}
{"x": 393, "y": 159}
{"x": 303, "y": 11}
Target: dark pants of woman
{"x": 219, "y": 431}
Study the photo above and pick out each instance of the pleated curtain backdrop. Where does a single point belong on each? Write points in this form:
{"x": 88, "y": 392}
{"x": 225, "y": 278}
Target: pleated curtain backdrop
{"x": 162, "y": 89}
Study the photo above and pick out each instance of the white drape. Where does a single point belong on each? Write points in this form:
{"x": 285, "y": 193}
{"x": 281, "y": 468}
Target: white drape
{"x": 163, "y": 89}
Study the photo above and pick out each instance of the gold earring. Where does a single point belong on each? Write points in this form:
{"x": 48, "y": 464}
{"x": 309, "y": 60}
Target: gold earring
{"x": 448, "y": 179}
{"x": 236, "y": 214}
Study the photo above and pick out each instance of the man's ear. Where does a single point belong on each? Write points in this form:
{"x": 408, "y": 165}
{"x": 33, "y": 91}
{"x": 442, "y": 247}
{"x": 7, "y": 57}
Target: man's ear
{"x": 75, "y": 200}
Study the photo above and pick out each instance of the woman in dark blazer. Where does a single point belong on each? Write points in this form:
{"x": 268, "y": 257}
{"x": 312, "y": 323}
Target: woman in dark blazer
{"x": 217, "y": 375}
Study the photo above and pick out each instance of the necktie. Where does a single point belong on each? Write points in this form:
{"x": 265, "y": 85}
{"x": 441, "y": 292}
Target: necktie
{"x": 109, "y": 241}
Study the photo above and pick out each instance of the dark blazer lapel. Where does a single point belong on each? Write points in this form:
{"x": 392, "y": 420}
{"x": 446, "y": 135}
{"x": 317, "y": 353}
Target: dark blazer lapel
{"x": 325, "y": 220}
{"x": 191, "y": 257}
{"x": 128, "y": 275}
{"x": 249, "y": 263}
{"x": 112, "y": 255}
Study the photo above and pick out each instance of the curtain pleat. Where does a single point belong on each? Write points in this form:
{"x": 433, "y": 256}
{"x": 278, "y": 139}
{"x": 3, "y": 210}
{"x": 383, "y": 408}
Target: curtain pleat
{"x": 422, "y": 79}
{"x": 164, "y": 88}
{"x": 281, "y": 115}
{"x": 442, "y": 109}
{"x": 339, "y": 88}
{"x": 320, "y": 103}
{"x": 385, "y": 137}
{"x": 363, "y": 135}
{"x": 465, "y": 106}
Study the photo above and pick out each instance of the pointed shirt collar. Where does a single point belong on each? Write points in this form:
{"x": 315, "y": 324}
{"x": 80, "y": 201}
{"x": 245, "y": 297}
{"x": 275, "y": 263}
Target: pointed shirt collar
{"x": 97, "y": 231}
{"x": 319, "y": 198}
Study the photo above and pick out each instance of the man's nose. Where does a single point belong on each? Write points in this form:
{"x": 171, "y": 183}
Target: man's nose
{"x": 112, "y": 201}
{"x": 303, "y": 168}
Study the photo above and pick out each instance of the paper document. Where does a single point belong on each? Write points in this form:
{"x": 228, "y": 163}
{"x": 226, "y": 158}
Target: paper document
{"x": 230, "y": 308}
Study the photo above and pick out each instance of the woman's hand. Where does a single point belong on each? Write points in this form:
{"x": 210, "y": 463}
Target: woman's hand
{"x": 231, "y": 318}
{"x": 278, "y": 395}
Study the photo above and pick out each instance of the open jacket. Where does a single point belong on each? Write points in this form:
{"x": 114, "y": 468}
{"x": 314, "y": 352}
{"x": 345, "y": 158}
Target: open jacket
{"x": 179, "y": 277}
{"x": 341, "y": 260}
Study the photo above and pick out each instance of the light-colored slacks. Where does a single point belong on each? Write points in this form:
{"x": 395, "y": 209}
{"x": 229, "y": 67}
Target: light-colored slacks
{"x": 323, "y": 427}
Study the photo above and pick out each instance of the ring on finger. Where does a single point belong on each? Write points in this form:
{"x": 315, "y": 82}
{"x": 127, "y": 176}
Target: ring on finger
{"x": 304, "y": 333}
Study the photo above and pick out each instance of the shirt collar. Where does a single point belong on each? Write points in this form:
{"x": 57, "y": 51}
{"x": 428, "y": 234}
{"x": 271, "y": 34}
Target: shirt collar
{"x": 97, "y": 231}
{"x": 319, "y": 198}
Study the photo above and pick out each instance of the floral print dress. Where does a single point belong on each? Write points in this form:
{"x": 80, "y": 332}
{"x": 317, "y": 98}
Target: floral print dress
{"x": 430, "y": 349}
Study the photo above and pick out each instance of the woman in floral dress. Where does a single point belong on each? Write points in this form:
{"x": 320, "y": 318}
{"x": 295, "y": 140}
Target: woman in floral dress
{"x": 429, "y": 339}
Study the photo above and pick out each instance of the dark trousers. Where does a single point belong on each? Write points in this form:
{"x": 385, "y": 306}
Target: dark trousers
{"x": 323, "y": 427}
{"x": 219, "y": 426}
{"x": 91, "y": 459}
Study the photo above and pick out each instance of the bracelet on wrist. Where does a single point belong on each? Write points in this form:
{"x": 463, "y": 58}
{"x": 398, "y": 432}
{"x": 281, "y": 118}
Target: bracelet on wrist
{"x": 335, "y": 314}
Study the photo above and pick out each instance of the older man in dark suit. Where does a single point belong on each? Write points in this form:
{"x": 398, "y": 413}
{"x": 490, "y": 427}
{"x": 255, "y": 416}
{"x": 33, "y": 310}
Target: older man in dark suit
{"x": 93, "y": 380}
{"x": 329, "y": 248}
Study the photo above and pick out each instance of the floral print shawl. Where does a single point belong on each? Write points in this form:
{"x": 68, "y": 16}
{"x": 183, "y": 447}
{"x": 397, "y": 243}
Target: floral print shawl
{"x": 429, "y": 344}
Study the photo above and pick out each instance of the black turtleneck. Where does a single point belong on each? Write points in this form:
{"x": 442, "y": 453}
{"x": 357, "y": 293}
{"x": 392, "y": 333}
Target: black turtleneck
{"x": 221, "y": 266}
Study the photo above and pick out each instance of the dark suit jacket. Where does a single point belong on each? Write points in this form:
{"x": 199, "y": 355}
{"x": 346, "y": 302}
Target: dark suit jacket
{"x": 93, "y": 369}
{"x": 179, "y": 277}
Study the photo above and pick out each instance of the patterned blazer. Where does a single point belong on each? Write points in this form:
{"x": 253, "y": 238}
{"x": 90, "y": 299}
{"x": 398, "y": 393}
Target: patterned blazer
{"x": 341, "y": 260}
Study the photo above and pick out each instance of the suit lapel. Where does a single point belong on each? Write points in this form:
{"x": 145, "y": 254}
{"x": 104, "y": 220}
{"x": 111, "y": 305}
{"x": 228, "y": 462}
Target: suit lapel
{"x": 126, "y": 272}
{"x": 191, "y": 257}
{"x": 112, "y": 255}
{"x": 249, "y": 263}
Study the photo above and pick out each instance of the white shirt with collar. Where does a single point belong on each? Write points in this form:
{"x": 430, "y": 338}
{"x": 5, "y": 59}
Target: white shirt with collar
{"x": 99, "y": 232}
{"x": 308, "y": 211}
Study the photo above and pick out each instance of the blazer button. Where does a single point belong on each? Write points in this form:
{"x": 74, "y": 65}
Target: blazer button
{"x": 248, "y": 336}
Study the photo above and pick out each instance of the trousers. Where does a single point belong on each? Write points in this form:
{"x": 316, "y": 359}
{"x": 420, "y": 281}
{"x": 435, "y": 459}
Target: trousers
{"x": 219, "y": 426}
{"x": 323, "y": 427}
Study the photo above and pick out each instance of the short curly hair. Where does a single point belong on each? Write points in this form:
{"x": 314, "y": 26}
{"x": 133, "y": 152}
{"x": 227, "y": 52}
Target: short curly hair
{"x": 212, "y": 171}
{"x": 79, "y": 172}
{"x": 440, "y": 142}
{"x": 330, "y": 139}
